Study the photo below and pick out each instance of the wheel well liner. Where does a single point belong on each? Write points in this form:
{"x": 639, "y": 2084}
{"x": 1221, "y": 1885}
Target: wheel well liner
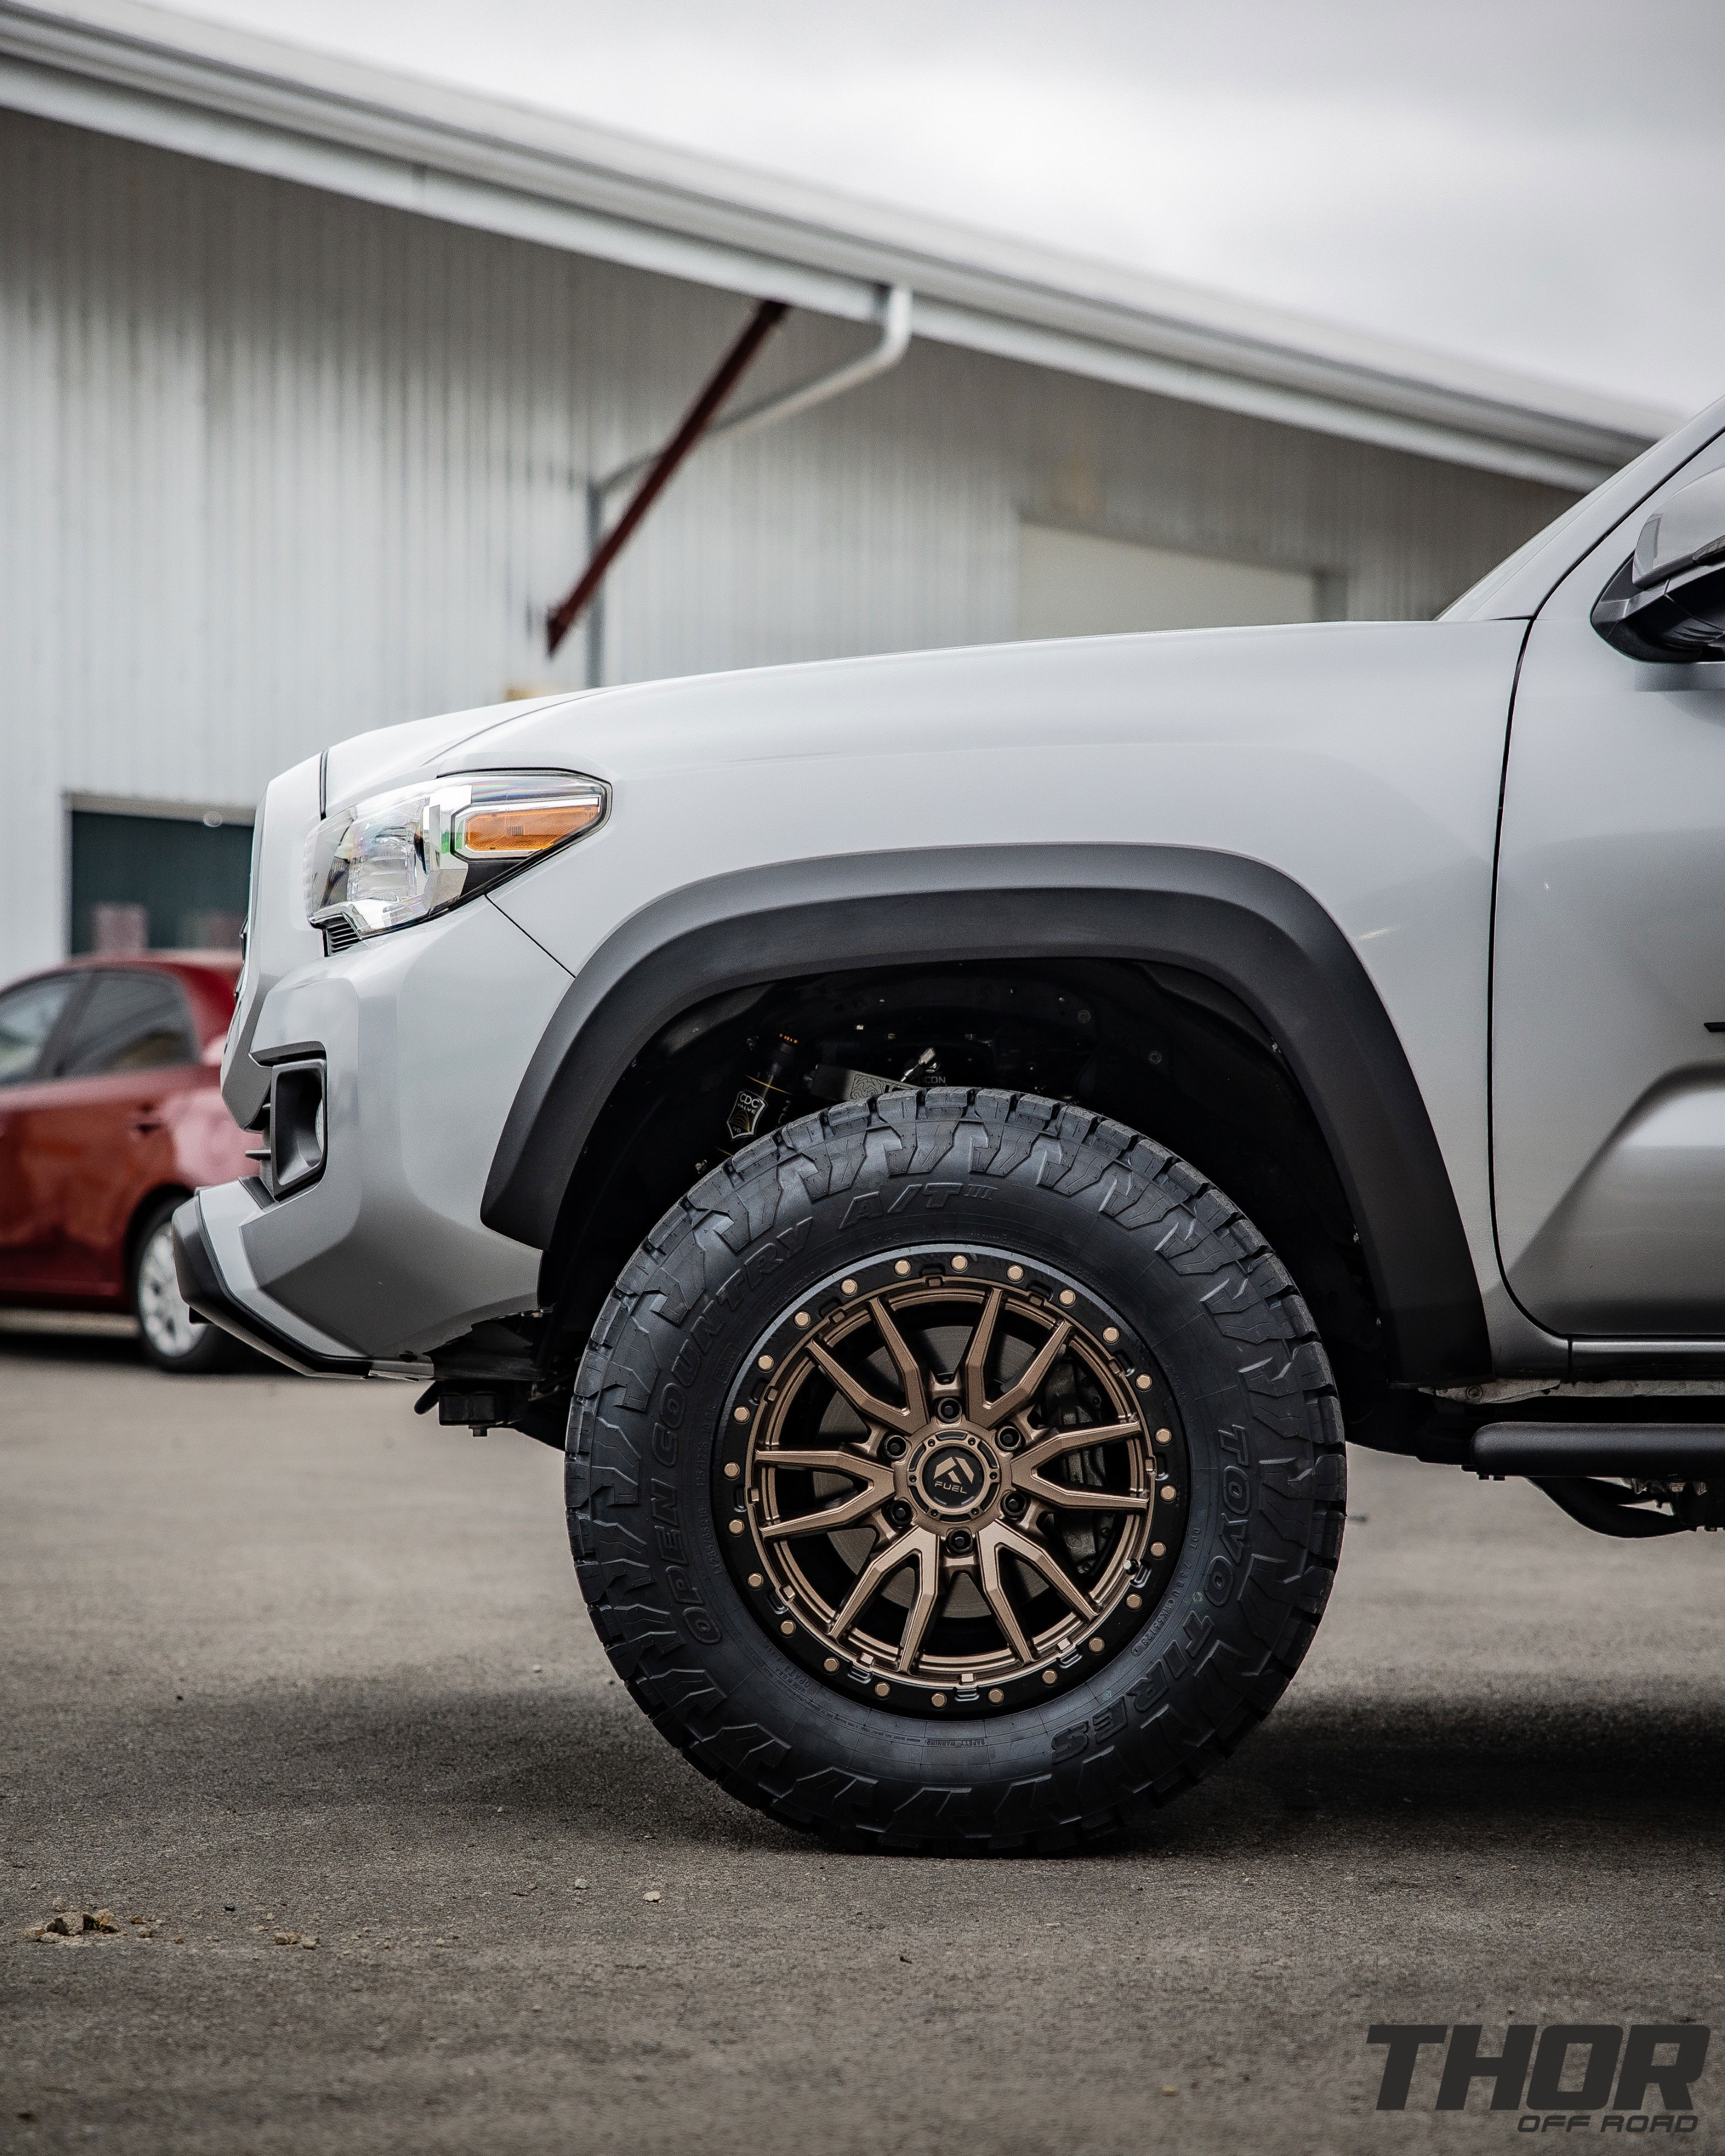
{"x": 1253, "y": 930}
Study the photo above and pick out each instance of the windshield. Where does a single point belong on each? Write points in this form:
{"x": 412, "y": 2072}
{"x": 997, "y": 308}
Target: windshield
{"x": 1517, "y": 589}
{"x": 1477, "y": 599}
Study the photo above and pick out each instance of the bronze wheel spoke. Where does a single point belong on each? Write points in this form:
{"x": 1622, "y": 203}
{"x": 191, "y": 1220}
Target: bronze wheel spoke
{"x": 845, "y": 1514}
{"x": 928, "y": 1586}
{"x": 887, "y": 1560}
{"x": 989, "y": 1546}
{"x": 876, "y": 1481}
{"x": 1051, "y": 1445}
{"x": 910, "y": 1370}
{"x": 1030, "y": 1379}
{"x": 870, "y": 1409}
{"x": 1039, "y": 1559}
{"x": 822, "y": 1460}
{"x": 1070, "y": 1497}
{"x": 975, "y": 1356}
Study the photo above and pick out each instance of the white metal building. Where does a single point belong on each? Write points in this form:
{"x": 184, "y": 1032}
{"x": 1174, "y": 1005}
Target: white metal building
{"x": 304, "y": 370}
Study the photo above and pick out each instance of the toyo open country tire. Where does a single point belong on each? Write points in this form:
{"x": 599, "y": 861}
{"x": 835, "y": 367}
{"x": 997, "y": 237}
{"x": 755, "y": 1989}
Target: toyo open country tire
{"x": 955, "y": 1211}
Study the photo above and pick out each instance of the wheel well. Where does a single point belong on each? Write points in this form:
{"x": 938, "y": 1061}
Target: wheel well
{"x": 1165, "y": 1050}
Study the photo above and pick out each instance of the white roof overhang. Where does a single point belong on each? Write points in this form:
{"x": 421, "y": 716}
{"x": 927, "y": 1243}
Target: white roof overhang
{"x": 196, "y": 87}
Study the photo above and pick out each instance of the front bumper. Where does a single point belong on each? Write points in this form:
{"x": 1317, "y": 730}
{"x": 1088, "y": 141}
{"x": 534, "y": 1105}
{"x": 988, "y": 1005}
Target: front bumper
{"x": 222, "y": 1288}
{"x": 372, "y": 1252}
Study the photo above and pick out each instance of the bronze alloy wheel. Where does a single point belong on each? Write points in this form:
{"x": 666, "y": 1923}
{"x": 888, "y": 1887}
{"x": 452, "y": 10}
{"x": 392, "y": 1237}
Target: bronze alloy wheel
{"x": 950, "y": 1481}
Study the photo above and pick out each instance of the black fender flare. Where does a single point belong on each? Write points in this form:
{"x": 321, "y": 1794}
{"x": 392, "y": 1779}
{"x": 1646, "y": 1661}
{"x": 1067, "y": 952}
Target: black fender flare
{"x": 1247, "y": 927}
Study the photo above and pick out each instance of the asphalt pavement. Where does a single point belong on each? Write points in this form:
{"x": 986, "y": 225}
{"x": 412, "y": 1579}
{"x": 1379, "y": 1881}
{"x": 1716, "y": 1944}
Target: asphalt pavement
{"x": 276, "y": 1658}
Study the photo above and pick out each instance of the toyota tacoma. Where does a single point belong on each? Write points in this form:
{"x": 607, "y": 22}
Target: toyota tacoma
{"x": 950, "y": 1143}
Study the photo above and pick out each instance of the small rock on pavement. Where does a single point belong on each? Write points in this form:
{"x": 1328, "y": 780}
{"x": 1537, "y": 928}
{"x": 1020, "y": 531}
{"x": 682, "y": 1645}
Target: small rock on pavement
{"x": 295, "y": 1939}
{"x": 655, "y": 1895}
{"x": 73, "y": 1923}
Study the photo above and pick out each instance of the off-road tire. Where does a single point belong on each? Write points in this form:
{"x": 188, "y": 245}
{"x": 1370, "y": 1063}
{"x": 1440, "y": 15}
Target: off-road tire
{"x": 946, "y": 1170}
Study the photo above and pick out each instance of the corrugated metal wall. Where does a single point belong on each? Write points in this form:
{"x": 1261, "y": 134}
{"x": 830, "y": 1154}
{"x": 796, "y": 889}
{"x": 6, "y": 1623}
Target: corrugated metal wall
{"x": 277, "y": 467}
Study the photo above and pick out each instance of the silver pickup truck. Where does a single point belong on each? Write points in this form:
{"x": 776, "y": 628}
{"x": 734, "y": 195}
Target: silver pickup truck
{"x": 951, "y": 1144}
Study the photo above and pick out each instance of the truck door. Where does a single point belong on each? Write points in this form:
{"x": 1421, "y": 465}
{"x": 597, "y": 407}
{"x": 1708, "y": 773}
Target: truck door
{"x": 1607, "y": 1005}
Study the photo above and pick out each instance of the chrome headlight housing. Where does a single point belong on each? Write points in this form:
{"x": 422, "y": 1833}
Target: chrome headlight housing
{"x": 404, "y": 855}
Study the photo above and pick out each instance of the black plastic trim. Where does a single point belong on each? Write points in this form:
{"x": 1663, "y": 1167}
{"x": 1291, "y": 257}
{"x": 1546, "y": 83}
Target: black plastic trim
{"x": 1651, "y": 1451}
{"x": 1253, "y": 930}
{"x": 289, "y": 1051}
{"x": 287, "y": 1121}
{"x": 201, "y": 1284}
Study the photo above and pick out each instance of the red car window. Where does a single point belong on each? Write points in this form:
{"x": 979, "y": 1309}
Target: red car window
{"x": 132, "y": 1021}
{"x": 27, "y": 1016}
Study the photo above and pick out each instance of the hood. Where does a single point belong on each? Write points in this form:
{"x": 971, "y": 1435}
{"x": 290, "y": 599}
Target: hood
{"x": 365, "y": 762}
{"x": 1197, "y": 685}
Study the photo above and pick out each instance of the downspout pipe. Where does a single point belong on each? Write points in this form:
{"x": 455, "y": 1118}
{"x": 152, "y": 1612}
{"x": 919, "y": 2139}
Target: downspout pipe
{"x": 889, "y": 348}
{"x": 664, "y": 463}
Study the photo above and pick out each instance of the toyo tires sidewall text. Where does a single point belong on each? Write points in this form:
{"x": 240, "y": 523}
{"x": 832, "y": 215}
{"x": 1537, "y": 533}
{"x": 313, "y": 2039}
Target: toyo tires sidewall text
{"x": 927, "y": 1172}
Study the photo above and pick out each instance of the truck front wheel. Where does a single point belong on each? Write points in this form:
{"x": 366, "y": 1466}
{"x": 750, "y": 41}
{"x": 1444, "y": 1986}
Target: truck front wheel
{"x": 954, "y": 1471}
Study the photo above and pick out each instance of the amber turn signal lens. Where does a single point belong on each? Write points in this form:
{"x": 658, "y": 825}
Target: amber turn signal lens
{"x": 517, "y": 829}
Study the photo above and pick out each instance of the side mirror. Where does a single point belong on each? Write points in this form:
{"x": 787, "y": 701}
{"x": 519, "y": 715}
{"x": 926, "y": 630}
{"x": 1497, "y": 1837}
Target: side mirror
{"x": 1667, "y": 602}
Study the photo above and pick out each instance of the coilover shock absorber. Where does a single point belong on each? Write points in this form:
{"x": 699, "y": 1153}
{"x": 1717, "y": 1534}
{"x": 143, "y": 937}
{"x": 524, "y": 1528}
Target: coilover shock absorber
{"x": 761, "y": 1103}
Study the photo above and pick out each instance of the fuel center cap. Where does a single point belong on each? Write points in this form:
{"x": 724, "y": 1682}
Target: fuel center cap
{"x": 954, "y": 1475}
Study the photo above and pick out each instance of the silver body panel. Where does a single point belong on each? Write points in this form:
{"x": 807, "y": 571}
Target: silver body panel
{"x": 425, "y": 1037}
{"x": 1363, "y": 761}
{"x": 1608, "y": 1090}
{"x": 1360, "y": 760}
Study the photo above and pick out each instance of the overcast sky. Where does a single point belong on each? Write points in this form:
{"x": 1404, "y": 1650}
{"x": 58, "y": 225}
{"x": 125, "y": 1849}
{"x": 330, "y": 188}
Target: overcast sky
{"x": 1538, "y": 183}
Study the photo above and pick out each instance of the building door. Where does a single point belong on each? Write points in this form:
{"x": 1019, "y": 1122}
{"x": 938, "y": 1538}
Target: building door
{"x": 143, "y": 880}
{"x": 1078, "y": 583}
{"x": 1608, "y": 975}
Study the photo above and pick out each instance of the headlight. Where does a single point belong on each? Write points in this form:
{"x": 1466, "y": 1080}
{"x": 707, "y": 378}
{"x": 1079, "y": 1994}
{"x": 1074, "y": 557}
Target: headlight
{"x": 404, "y": 855}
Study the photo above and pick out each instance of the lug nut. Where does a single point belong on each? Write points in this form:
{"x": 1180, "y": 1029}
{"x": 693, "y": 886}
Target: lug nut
{"x": 1012, "y": 1504}
{"x": 899, "y": 1513}
{"x": 947, "y": 1410}
{"x": 1008, "y": 1440}
{"x": 959, "y": 1541}
{"x": 895, "y": 1448}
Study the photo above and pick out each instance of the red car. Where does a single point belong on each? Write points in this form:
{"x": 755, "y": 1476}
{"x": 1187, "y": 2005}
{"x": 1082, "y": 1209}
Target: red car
{"x": 109, "y": 1115}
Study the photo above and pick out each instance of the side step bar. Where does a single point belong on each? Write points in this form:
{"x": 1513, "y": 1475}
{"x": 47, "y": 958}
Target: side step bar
{"x": 1570, "y": 1461}
{"x": 1649, "y": 1451}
